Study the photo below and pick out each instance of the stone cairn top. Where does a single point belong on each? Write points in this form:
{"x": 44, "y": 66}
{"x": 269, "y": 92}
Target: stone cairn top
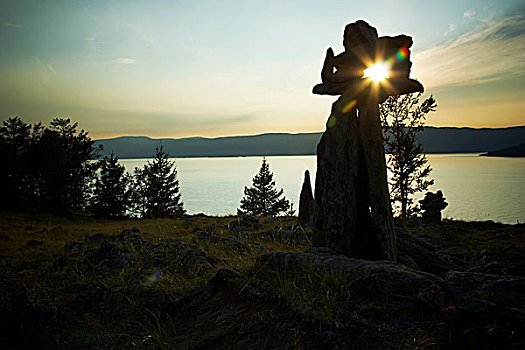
{"x": 433, "y": 201}
{"x": 342, "y": 74}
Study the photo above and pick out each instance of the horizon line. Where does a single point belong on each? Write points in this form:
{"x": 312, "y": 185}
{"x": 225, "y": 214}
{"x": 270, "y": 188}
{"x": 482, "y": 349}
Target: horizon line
{"x": 285, "y": 133}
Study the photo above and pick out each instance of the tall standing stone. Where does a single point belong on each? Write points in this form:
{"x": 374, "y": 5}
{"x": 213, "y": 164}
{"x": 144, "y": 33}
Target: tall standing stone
{"x": 306, "y": 202}
{"x": 374, "y": 166}
{"x": 342, "y": 219}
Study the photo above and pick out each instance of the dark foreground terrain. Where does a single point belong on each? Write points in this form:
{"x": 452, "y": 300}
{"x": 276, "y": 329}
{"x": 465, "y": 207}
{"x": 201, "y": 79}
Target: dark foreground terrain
{"x": 214, "y": 283}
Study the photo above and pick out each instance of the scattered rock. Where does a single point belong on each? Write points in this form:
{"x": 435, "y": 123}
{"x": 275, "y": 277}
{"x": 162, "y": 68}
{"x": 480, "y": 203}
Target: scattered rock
{"x": 488, "y": 296}
{"x": 3, "y": 237}
{"x": 408, "y": 262}
{"x": 125, "y": 261}
{"x": 107, "y": 250}
{"x": 269, "y": 221}
{"x": 423, "y": 254}
{"x": 195, "y": 261}
{"x": 173, "y": 252}
{"x": 288, "y": 235}
{"x": 134, "y": 280}
{"x": 96, "y": 237}
{"x": 207, "y": 231}
{"x": 131, "y": 236}
{"x": 30, "y": 227}
{"x": 222, "y": 276}
{"x": 370, "y": 277}
{"x": 34, "y": 243}
{"x": 238, "y": 246}
{"x": 243, "y": 235}
{"x": 75, "y": 248}
{"x": 244, "y": 223}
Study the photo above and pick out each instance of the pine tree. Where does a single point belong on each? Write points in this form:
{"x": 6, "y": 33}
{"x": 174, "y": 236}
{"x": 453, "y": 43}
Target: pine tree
{"x": 15, "y": 140}
{"x": 111, "y": 195}
{"x": 263, "y": 198}
{"x": 161, "y": 187}
{"x": 66, "y": 172}
{"x": 402, "y": 120}
{"x": 47, "y": 168}
{"x": 137, "y": 185}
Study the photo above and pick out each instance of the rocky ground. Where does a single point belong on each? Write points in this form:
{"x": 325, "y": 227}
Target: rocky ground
{"x": 241, "y": 282}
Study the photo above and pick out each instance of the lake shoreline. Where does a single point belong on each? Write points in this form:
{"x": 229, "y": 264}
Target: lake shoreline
{"x": 476, "y": 188}
{"x": 267, "y": 155}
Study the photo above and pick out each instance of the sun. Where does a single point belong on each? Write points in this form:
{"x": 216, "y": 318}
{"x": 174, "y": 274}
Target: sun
{"x": 377, "y": 72}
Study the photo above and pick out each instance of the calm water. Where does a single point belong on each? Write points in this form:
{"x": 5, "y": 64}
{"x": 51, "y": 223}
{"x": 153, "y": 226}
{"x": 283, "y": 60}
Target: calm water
{"x": 476, "y": 188}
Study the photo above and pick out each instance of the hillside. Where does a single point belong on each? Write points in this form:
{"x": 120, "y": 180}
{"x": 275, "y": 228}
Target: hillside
{"x": 434, "y": 140}
{"x": 514, "y": 151}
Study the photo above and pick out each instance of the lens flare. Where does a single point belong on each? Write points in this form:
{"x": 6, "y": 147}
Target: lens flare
{"x": 381, "y": 70}
{"x": 377, "y": 72}
{"x": 400, "y": 55}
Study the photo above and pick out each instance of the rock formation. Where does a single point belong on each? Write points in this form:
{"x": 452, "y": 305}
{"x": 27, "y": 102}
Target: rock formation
{"x": 432, "y": 205}
{"x": 353, "y": 215}
{"x": 306, "y": 202}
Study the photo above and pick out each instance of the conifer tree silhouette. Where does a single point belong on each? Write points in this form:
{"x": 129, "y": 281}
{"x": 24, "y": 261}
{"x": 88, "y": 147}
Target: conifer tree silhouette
{"x": 263, "y": 199}
{"x": 110, "y": 194}
{"x": 161, "y": 190}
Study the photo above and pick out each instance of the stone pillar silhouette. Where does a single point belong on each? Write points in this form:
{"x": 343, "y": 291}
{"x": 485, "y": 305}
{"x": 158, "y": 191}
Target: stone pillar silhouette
{"x": 306, "y": 202}
{"x": 353, "y": 215}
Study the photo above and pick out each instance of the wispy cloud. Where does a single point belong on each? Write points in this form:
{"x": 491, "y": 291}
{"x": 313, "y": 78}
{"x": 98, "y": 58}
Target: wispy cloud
{"x": 484, "y": 54}
{"x": 451, "y": 28}
{"x": 12, "y": 25}
{"x": 125, "y": 60}
{"x": 468, "y": 15}
{"x": 47, "y": 66}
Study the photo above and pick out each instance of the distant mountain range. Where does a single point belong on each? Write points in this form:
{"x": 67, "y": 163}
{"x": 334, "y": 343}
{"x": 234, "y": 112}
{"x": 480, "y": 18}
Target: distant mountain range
{"x": 434, "y": 140}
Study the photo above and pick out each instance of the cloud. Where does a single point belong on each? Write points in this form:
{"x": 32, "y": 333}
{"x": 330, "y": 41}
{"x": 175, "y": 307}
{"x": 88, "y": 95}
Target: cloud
{"x": 485, "y": 54}
{"x": 451, "y": 28}
{"x": 125, "y": 60}
{"x": 12, "y": 25}
{"x": 468, "y": 15}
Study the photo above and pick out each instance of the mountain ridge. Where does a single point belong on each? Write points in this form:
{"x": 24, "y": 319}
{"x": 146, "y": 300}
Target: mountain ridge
{"x": 433, "y": 139}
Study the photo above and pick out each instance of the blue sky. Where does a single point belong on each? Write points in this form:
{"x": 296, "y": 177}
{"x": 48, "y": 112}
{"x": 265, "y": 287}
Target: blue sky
{"x": 215, "y": 68}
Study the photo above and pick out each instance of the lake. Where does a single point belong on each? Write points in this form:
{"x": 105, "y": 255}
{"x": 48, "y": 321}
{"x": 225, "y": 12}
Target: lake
{"x": 476, "y": 188}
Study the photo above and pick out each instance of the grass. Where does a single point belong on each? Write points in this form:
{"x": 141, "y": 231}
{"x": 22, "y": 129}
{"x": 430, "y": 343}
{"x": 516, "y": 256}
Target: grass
{"x": 49, "y": 299}
{"x": 81, "y": 303}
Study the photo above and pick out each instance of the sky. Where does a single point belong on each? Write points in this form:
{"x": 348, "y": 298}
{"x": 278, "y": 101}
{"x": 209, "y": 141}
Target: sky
{"x": 221, "y": 68}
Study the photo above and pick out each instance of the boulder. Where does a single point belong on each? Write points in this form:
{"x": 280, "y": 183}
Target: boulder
{"x": 244, "y": 223}
{"x": 75, "y": 248}
{"x": 96, "y": 237}
{"x": 125, "y": 261}
{"x": 34, "y": 243}
{"x": 416, "y": 250}
{"x": 195, "y": 261}
{"x": 484, "y": 296}
{"x": 131, "y": 236}
{"x": 288, "y": 235}
{"x": 107, "y": 250}
{"x": 238, "y": 246}
{"x": 368, "y": 277}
